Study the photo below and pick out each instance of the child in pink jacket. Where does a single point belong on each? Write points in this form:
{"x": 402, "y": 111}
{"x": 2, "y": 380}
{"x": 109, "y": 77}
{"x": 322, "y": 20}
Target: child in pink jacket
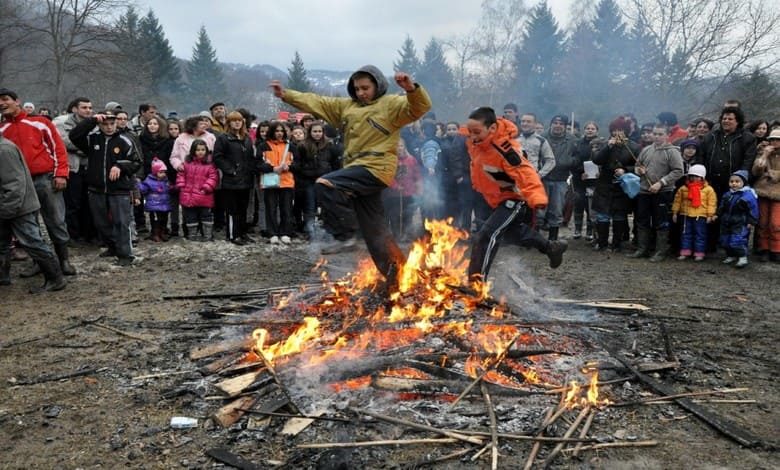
{"x": 197, "y": 180}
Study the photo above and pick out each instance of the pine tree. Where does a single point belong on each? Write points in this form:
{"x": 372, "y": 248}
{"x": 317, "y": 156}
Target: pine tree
{"x": 436, "y": 75}
{"x": 537, "y": 62}
{"x": 296, "y": 75}
{"x": 759, "y": 95}
{"x": 408, "y": 61}
{"x": 203, "y": 71}
{"x": 165, "y": 73}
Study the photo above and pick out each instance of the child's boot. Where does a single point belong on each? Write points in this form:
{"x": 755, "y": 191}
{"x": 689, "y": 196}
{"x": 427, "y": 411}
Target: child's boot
{"x": 208, "y": 231}
{"x": 192, "y": 232}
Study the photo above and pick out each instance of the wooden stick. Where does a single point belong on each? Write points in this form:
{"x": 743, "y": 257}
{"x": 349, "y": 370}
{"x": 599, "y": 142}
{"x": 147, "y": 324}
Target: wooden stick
{"x": 679, "y": 395}
{"x": 290, "y": 415}
{"x": 733, "y": 402}
{"x": 423, "y": 427}
{"x": 522, "y": 437}
{"x": 480, "y": 453}
{"x": 122, "y": 333}
{"x": 56, "y": 377}
{"x": 493, "y": 427}
{"x": 453, "y": 455}
{"x": 395, "y": 442}
{"x": 476, "y": 381}
{"x": 538, "y": 445}
{"x": 614, "y": 444}
{"x": 164, "y": 374}
{"x": 584, "y": 431}
{"x": 550, "y": 458}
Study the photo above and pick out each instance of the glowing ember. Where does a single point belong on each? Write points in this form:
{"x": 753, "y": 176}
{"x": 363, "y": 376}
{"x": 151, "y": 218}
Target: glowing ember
{"x": 351, "y": 384}
{"x": 406, "y": 373}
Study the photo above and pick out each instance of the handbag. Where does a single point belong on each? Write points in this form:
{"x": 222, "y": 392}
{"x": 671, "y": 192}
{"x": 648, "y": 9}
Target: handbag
{"x": 272, "y": 179}
{"x": 629, "y": 183}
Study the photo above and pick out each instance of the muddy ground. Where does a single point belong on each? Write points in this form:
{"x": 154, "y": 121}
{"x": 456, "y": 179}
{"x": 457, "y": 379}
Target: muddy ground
{"x": 104, "y": 419}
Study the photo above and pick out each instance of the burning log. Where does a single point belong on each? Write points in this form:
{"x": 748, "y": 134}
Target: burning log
{"x": 498, "y": 361}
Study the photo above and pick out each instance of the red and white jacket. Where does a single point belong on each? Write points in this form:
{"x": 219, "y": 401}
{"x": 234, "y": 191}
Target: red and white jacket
{"x": 40, "y": 143}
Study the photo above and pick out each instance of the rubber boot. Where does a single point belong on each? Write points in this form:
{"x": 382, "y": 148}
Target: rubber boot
{"x": 553, "y": 234}
{"x": 64, "y": 257}
{"x": 555, "y": 252}
{"x": 53, "y": 275}
{"x": 5, "y": 270}
{"x": 642, "y": 243}
{"x": 602, "y": 236}
{"x": 156, "y": 232}
{"x": 619, "y": 230}
{"x": 661, "y": 246}
{"x": 192, "y": 232}
{"x": 32, "y": 271}
{"x": 208, "y": 232}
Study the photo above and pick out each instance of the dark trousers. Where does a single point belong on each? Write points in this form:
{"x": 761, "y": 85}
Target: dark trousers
{"x": 458, "y": 203}
{"x": 78, "y": 217}
{"x": 112, "y": 213}
{"x": 694, "y": 236}
{"x": 352, "y": 199}
{"x": 158, "y": 219}
{"x": 581, "y": 207}
{"x": 236, "y": 202}
{"x": 196, "y": 215}
{"x": 52, "y": 209}
{"x": 400, "y": 211}
{"x": 219, "y": 208}
{"x": 507, "y": 220}
{"x": 278, "y": 210}
{"x": 139, "y": 215}
{"x": 653, "y": 211}
{"x": 27, "y": 232}
{"x": 175, "y": 211}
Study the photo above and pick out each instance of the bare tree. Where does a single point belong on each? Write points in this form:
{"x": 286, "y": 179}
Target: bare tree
{"x": 13, "y": 36}
{"x": 76, "y": 35}
{"x": 709, "y": 39}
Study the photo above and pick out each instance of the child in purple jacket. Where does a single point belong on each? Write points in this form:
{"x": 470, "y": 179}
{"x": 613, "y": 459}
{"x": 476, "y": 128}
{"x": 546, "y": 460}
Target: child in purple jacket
{"x": 155, "y": 188}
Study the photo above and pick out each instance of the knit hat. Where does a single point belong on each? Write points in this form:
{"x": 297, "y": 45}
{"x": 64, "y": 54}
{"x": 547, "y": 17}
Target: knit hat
{"x": 620, "y": 123}
{"x": 774, "y": 135}
{"x": 113, "y": 105}
{"x": 742, "y": 174}
{"x": 697, "y": 170}
{"x": 158, "y": 166}
{"x": 560, "y": 117}
{"x": 7, "y": 92}
{"x": 29, "y": 104}
{"x": 689, "y": 143}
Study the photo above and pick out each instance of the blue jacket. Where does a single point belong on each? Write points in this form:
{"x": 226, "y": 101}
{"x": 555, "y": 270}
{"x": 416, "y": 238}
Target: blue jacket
{"x": 736, "y": 211}
{"x": 158, "y": 198}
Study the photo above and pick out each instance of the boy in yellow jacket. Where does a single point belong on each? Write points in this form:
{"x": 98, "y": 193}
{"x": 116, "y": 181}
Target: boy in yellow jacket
{"x": 697, "y": 202}
{"x": 370, "y": 121}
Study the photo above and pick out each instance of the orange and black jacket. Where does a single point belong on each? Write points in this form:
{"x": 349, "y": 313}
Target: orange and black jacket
{"x": 500, "y": 172}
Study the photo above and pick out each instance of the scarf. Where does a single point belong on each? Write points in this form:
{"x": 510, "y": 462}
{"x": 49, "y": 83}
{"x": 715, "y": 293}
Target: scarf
{"x": 694, "y": 192}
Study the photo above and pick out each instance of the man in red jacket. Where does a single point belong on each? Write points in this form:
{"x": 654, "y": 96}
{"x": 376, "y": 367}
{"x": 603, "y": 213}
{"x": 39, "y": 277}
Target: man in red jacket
{"x": 47, "y": 159}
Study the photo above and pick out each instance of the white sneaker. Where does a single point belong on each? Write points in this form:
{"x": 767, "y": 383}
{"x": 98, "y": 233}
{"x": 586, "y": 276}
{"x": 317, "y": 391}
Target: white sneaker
{"x": 286, "y": 240}
{"x": 274, "y": 240}
{"x": 729, "y": 260}
{"x": 742, "y": 262}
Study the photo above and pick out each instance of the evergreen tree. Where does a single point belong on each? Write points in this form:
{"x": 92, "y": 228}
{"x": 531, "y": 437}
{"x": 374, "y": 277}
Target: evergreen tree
{"x": 537, "y": 61}
{"x": 165, "y": 73}
{"x": 579, "y": 84}
{"x": 408, "y": 61}
{"x": 436, "y": 75}
{"x": 759, "y": 95}
{"x": 646, "y": 66}
{"x": 203, "y": 71}
{"x": 296, "y": 75}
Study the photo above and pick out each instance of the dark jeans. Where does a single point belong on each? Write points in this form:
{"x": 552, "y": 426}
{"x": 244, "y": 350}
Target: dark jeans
{"x": 305, "y": 206}
{"x": 139, "y": 215}
{"x": 400, "y": 211}
{"x": 694, "y": 235}
{"x": 236, "y": 202}
{"x": 653, "y": 211}
{"x": 112, "y": 213}
{"x": 195, "y": 215}
{"x": 219, "y": 208}
{"x": 28, "y": 235}
{"x": 52, "y": 209}
{"x": 352, "y": 199}
{"x": 278, "y": 210}
{"x": 78, "y": 217}
{"x": 504, "y": 221}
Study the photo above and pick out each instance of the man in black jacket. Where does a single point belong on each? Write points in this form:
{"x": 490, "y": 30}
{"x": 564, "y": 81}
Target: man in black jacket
{"x": 453, "y": 166}
{"x": 563, "y": 146}
{"x": 724, "y": 151}
{"x": 112, "y": 164}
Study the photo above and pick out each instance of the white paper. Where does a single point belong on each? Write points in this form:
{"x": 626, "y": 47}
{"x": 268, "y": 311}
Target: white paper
{"x": 591, "y": 170}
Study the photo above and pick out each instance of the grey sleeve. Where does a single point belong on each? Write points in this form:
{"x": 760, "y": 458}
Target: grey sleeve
{"x": 547, "y": 159}
{"x": 12, "y": 182}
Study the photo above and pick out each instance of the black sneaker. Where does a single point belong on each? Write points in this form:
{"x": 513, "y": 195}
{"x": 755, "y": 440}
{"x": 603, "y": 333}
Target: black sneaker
{"x": 555, "y": 252}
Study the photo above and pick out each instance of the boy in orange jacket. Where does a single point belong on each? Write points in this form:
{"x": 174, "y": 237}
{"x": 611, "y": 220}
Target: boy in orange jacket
{"x": 510, "y": 186}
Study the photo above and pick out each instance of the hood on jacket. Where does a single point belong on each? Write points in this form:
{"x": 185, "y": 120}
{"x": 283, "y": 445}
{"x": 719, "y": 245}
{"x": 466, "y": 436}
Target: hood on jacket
{"x": 376, "y": 74}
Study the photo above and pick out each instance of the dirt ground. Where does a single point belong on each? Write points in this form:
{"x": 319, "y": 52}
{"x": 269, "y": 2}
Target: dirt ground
{"x": 722, "y": 323}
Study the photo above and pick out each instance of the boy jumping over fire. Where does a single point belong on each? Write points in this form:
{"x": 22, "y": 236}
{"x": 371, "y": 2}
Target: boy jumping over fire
{"x": 371, "y": 121}
{"x": 511, "y": 187}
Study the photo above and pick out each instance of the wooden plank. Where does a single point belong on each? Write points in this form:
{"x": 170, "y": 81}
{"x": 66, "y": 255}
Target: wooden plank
{"x": 235, "y": 385}
{"x": 233, "y": 411}
{"x": 216, "y": 348}
{"x": 221, "y": 363}
{"x": 294, "y": 426}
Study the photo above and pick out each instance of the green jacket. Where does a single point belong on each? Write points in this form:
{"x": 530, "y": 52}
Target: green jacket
{"x": 370, "y": 131}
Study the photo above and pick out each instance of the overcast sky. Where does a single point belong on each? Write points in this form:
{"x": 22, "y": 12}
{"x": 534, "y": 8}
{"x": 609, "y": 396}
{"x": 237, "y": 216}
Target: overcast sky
{"x": 334, "y": 35}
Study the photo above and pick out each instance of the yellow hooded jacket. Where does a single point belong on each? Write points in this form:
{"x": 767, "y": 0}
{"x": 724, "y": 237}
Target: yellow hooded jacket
{"x": 371, "y": 131}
